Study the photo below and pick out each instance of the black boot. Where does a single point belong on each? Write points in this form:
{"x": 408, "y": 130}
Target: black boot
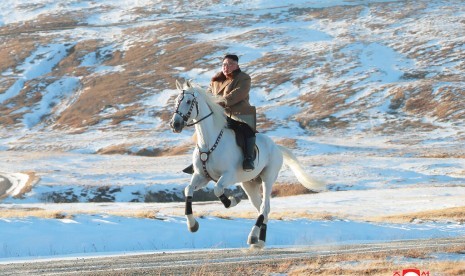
{"x": 189, "y": 170}
{"x": 248, "y": 165}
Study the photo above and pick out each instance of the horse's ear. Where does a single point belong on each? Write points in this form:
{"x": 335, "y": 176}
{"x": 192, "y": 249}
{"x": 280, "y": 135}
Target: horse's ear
{"x": 178, "y": 85}
{"x": 189, "y": 83}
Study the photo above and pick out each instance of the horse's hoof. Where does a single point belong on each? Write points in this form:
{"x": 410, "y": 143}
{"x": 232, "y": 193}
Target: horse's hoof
{"x": 258, "y": 245}
{"x": 234, "y": 201}
{"x": 252, "y": 240}
{"x": 194, "y": 228}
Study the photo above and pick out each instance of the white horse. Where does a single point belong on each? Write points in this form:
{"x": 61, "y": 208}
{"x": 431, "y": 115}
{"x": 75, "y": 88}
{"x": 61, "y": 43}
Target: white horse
{"x": 217, "y": 157}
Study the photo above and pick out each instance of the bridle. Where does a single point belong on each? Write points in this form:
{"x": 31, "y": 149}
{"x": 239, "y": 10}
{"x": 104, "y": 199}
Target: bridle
{"x": 204, "y": 155}
{"x": 185, "y": 117}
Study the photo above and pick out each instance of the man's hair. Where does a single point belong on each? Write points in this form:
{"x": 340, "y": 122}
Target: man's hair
{"x": 233, "y": 57}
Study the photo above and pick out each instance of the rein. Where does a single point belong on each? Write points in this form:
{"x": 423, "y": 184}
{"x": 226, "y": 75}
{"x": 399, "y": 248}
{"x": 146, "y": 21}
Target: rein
{"x": 192, "y": 124}
{"x": 185, "y": 117}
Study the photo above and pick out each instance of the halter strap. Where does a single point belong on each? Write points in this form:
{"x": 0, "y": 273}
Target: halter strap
{"x": 206, "y": 154}
{"x": 185, "y": 117}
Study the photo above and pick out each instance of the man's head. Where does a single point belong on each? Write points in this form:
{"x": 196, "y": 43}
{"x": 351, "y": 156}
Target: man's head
{"x": 230, "y": 63}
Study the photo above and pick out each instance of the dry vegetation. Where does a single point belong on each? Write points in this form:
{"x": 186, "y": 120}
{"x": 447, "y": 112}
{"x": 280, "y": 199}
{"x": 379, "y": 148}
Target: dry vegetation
{"x": 157, "y": 51}
{"x": 151, "y": 152}
{"x": 286, "y": 189}
{"x": 454, "y": 214}
{"x": 385, "y": 263}
{"x": 32, "y": 212}
{"x": 69, "y": 214}
{"x": 150, "y": 66}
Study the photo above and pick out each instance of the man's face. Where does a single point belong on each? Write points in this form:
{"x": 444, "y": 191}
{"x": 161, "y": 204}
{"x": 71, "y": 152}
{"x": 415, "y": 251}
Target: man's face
{"x": 229, "y": 65}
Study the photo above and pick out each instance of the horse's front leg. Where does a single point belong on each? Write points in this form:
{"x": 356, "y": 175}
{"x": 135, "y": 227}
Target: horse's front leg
{"x": 223, "y": 182}
{"x": 197, "y": 182}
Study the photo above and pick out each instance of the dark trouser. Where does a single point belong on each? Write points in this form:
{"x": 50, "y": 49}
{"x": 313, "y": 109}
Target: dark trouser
{"x": 249, "y": 142}
{"x": 241, "y": 127}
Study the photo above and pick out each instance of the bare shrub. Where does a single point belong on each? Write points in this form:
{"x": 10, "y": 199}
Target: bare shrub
{"x": 280, "y": 190}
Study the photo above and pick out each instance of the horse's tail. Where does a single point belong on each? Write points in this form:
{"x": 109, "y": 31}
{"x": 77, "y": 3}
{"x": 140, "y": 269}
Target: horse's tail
{"x": 307, "y": 181}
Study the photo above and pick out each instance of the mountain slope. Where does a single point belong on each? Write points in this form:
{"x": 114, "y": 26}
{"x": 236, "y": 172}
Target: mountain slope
{"x": 107, "y": 68}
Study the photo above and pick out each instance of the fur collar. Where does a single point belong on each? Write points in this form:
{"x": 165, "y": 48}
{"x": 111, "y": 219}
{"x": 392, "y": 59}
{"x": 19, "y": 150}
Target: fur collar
{"x": 221, "y": 77}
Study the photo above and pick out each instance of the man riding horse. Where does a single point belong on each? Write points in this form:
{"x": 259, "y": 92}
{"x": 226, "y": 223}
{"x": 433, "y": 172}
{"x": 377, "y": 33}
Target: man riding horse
{"x": 233, "y": 86}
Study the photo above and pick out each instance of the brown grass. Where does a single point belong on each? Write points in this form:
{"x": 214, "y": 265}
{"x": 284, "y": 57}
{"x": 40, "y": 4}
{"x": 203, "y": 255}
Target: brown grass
{"x": 438, "y": 153}
{"x": 305, "y": 215}
{"x": 14, "y": 49}
{"x": 275, "y": 215}
{"x": 135, "y": 214}
{"x": 376, "y": 267}
{"x": 288, "y": 143}
{"x": 459, "y": 249}
{"x": 456, "y": 214}
{"x": 323, "y": 104}
{"x": 385, "y": 263}
{"x": 53, "y": 214}
{"x": 143, "y": 69}
{"x": 420, "y": 100}
{"x": 32, "y": 212}
{"x": 160, "y": 49}
{"x": 286, "y": 189}
{"x": 152, "y": 152}
{"x": 114, "y": 149}
{"x": 178, "y": 150}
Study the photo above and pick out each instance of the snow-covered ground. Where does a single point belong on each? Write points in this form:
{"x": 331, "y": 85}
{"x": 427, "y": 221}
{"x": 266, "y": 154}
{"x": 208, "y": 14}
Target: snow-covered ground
{"x": 34, "y": 238}
{"x": 369, "y": 174}
{"x": 384, "y": 186}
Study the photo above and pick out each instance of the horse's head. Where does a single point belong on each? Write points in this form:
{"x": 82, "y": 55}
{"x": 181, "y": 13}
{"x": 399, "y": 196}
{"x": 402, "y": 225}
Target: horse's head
{"x": 185, "y": 103}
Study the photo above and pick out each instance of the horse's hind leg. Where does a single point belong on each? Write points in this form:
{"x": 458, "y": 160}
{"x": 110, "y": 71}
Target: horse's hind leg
{"x": 252, "y": 189}
{"x": 257, "y": 236}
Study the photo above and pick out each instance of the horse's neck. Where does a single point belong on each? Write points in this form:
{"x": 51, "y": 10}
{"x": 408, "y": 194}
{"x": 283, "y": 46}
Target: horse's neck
{"x": 207, "y": 131}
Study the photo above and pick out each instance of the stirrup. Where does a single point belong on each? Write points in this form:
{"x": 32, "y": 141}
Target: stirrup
{"x": 189, "y": 169}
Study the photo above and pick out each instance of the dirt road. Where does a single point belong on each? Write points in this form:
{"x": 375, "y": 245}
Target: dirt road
{"x": 219, "y": 262}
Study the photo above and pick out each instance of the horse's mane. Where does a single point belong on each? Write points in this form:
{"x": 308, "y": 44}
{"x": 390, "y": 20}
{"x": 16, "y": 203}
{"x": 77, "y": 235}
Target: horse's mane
{"x": 219, "y": 116}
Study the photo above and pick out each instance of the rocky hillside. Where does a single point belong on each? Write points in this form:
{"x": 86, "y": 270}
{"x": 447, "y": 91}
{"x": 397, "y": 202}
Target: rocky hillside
{"x": 99, "y": 76}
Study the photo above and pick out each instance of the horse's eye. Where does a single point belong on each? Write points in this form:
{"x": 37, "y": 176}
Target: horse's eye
{"x": 188, "y": 101}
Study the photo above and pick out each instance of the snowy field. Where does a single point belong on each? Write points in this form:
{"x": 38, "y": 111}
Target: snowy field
{"x": 370, "y": 174}
{"x": 386, "y": 186}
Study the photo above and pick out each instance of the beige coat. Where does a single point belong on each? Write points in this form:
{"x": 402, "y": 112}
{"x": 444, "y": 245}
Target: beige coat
{"x": 235, "y": 93}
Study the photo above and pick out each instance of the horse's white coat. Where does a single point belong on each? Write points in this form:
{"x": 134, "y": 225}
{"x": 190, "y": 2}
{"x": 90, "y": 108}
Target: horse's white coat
{"x": 224, "y": 163}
